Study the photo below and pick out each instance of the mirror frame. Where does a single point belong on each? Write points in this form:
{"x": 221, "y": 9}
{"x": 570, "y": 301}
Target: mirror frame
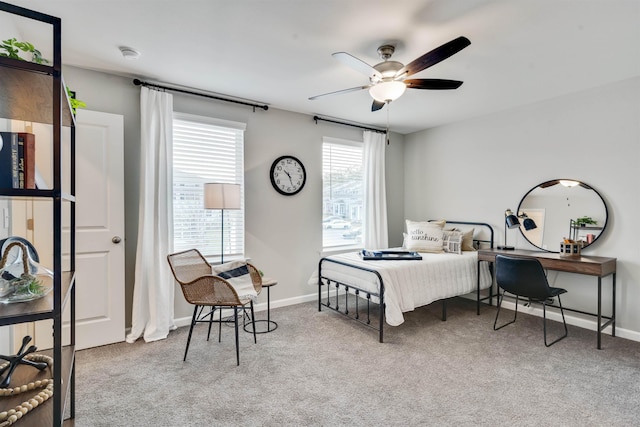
{"x": 557, "y": 181}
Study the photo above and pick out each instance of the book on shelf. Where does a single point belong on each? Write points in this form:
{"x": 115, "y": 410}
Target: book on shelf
{"x": 27, "y": 159}
{"x": 9, "y": 160}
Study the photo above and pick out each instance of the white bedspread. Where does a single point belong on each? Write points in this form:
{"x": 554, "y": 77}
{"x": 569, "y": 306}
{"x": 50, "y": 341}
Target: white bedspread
{"x": 411, "y": 284}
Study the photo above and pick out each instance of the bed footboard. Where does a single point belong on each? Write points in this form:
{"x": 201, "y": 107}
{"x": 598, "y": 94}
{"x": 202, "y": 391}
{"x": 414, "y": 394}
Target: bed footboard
{"x": 357, "y": 293}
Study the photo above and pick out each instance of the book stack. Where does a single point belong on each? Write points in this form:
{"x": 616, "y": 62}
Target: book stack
{"x": 17, "y": 160}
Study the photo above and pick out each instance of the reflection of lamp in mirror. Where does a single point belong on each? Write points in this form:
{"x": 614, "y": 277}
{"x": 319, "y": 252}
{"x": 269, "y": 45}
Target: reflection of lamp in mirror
{"x": 527, "y": 222}
{"x": 510, "y": 221}
{"x": 221, "y": 196}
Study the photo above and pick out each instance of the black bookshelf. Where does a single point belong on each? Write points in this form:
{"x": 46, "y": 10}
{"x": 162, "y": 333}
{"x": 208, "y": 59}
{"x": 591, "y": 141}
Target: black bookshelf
{"x": 37, "y": 93}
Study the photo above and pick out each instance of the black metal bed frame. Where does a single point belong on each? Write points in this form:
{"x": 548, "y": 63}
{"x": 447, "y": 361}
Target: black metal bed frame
{"x": 358, "y": 293}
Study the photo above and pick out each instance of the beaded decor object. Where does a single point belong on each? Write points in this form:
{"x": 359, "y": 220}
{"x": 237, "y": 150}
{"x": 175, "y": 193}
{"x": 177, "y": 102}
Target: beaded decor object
{"x": 24, "y": 357}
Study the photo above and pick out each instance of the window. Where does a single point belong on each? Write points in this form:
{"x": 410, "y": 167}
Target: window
{"x": 206, "y": 150}
{"x": 342, "y": 193}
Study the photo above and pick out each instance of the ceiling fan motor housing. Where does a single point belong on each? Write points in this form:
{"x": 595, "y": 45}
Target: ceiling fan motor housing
{"x": 388, "y": 69}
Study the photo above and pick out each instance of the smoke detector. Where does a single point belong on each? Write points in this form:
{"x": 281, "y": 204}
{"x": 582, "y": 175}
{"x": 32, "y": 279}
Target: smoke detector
{"x": 129, "y": 52}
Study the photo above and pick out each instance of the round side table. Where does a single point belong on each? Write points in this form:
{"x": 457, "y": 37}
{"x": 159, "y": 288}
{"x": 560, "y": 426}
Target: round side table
{"x": 267, "y": 282}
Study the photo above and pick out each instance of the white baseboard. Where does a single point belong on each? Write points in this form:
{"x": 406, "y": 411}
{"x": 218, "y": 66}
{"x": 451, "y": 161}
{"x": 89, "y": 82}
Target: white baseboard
{"x": 535, "y": 311}
{"x": 572, "y": 319}
{"x": 186, "y": 321}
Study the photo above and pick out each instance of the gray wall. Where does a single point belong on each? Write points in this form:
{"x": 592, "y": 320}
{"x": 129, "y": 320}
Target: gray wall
{"x": 471, "y": 170}
{"x": 283, "y": 234}
{"x": 478, "y": 168}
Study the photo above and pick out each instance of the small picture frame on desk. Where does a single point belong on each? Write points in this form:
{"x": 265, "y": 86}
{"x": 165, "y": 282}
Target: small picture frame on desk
{"x": 570, "y": 250}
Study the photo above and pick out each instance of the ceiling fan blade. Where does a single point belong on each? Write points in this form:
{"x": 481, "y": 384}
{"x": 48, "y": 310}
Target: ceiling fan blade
{"x": 337, "y": 92}
{"x": 432, "y": 58}
{"x": 377, "y": 105}
{"x": 433, "y": 84}
{"x": 357, "y": 64}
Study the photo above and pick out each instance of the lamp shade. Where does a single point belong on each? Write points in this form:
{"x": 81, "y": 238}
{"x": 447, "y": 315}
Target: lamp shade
{"x": 221, "y": 196}
{"x": 511, "y": 220}
{"x": 387, "y": 91}
{"x": 529, "y": 224}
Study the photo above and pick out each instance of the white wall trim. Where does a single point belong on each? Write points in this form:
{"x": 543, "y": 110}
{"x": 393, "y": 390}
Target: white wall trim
{"x": 581, "y": 322}
{"x": 552, "y": 314}
{"x": 186, "y": 321}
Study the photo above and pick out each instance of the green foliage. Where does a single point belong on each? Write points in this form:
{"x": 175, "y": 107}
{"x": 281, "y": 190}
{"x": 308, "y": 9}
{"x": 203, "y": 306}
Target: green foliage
{"x": 75, "y": 103}
{"x": 585, "y": 220}
{"x": 28, "y": 285}
{"x": 12, "y": 48}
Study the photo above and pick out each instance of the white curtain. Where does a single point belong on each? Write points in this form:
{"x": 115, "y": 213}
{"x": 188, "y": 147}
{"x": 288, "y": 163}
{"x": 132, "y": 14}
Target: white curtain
{"x": 375, "y": 197}
{"x": 152, "y": 313}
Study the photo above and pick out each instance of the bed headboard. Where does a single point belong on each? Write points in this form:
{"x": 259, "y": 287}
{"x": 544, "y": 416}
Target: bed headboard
{"x": 483, "y": 232}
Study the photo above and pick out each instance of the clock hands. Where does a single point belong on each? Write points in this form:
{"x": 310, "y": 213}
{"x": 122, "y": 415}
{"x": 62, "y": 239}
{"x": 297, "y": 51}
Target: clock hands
{"x": 289, "y": 175}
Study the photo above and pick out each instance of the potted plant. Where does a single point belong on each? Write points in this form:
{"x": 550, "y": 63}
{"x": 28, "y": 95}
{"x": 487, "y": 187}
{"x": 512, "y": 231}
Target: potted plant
{"x": 13, "y": 47}
{"x": 584, "y": 221}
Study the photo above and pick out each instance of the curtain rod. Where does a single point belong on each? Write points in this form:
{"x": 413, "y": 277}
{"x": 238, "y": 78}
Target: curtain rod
{"x": 138, "y": 82}
{"x": 316, "y": 118}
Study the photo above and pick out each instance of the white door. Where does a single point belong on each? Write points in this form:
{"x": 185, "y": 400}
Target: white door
{"x": 100, "y": 300}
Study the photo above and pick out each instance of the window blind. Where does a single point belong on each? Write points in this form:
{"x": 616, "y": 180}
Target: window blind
{"x": 206, "y": 150}
{"x": 342, "y": 192}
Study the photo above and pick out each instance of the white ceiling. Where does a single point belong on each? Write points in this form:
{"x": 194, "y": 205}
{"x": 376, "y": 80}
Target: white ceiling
{"x": 278, "y": 52}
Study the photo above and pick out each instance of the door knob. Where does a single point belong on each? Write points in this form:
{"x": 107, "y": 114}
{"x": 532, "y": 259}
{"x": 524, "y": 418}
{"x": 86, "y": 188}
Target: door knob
{"x": 116, "y": 239}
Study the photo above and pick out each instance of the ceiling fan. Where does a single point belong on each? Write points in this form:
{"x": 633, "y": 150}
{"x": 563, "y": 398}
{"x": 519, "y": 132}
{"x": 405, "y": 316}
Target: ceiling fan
{"x": 388, "y": 79}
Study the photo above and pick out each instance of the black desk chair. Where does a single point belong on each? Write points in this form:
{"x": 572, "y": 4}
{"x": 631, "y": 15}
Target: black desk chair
{"x": 525, "y": 277}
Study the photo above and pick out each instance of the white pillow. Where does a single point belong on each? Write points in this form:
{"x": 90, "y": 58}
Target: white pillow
{"x": 423, "y": 236}
{"x": 237, "y": 273}
{"x": 452, "y": 241}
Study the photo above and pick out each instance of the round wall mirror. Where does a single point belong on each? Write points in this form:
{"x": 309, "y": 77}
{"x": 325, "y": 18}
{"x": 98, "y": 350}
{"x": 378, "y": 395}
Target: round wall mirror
{"x": 559, "y": 209}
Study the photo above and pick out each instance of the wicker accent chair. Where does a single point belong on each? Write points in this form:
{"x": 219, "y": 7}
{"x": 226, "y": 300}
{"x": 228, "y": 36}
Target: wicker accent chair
{"x": 205, "y": 290}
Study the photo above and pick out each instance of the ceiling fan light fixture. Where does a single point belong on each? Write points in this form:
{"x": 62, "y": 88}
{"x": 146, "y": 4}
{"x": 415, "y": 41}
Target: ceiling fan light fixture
{"x": 387, "y": 91}
{"x": 568, "y": 183}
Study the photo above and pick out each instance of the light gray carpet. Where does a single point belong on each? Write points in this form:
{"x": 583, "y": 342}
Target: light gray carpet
{"x": 320, "y": 369}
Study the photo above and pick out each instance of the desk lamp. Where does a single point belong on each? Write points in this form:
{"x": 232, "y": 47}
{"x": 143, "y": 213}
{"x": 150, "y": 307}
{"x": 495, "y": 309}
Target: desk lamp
{"x": 221, "y": 196}
{"x": 527, "y": 222}
{"x": 510, "y": 221}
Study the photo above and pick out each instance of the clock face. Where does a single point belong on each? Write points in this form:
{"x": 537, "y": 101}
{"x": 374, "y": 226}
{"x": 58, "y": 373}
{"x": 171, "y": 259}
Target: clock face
{"x": 288, "y": 175}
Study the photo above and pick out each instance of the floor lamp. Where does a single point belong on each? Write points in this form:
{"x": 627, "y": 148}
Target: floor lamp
{"x": 221, "y": 196}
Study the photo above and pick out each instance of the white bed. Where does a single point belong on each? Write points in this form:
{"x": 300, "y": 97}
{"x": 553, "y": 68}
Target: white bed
{"x": 410, "y": 284}
{"x": 403, "y": 285}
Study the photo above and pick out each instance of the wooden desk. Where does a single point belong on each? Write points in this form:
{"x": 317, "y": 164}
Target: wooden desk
{"x": 588, "y": 265}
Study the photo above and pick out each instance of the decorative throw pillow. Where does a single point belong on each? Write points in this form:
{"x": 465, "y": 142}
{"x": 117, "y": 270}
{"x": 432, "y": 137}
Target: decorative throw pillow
{"x": 452, "y": 241}
{"x": 237, "y": 273}
{"x": 467, "y": 240}
{"x": 424, "y": 236}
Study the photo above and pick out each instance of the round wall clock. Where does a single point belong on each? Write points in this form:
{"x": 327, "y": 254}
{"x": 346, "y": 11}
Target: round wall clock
{"x": 288, "y": 175}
